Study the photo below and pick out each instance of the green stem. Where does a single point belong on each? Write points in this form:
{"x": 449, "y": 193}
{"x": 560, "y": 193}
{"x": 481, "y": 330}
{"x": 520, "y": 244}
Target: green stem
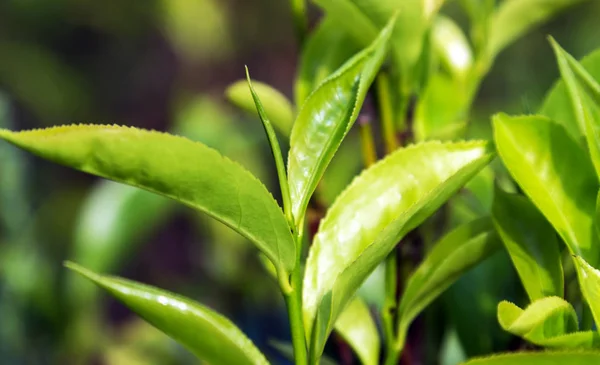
{"x": 367, "y": 142}
{"x": 389, "y": 306}
{"x": 300, "y": 19}
{"x": 293, "y": 301}
{"x": 386, "y": 112}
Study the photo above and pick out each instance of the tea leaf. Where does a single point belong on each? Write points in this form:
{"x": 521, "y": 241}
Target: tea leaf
{"x": 452, "y": 47}
{"x": 357, "y": 328}
{"x": 275, "y": 150}
{"x": 539, "y": 358}
{"x": 590, "y": 285}
{"x": 210, "y": 336}
{"x": 370, "y": 217}
{"x": 276, "y": 105}
{"x": 531, "y": 242}
{"x": 326, "y": 49}
{"x": 597, "y": 216}
{"x": 109, "y": 227}
{"x": 325, "y": 119}
{"x": 557, "y": 104}
{"x": 441, "y": 111}
{"x": 362, "y": 18}
{"x": 178, "y": 168}
{"x": 456, "y": 253}
{"x": 516, "y": 17}
{"x": 584, "y": 93}
{"x": 555, "y": 173}
{"x": 542, "y": 320}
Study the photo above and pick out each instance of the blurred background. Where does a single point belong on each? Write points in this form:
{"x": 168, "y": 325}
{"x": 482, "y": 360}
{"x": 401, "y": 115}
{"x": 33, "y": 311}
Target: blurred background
{"x": 165, "y": 65}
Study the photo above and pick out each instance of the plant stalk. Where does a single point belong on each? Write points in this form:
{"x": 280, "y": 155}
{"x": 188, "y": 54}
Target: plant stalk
{"x": 389, "y": 307}
{"x": 293, "y": 301}
{"x": 367, "y": 142}
{"x": 386, "y": 112}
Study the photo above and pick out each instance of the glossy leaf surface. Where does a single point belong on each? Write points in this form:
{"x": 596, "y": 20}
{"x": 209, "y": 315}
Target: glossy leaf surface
{"x": 542, "y": 322}
{"x": 555, "y": 173}
{"x": 210, "y": 336}
{"x": 531, "y": 242}
{"x": 178, "y": 168}
{"x": 369, "y": 218}
{"x": 276, "y": 105}
{"x": 557, "y": 104}
{"x": 326, "y": 49}
{"x": 452, "y": 47}
{"x": 325, "y": 119}
{"x": 544, "y": 358}
{"x": 456, "y": 253}
{"x": 584, "y": 93}
{"x": 590, "y": 285}
{"x": 516, "y": 17}
{"x": 358, "y": 329}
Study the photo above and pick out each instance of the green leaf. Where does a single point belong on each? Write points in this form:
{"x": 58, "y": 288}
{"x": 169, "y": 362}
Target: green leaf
{"x": 542, "y": 320}
{"x": 539, "y": 358}
{"x": 275, "y": 150}
{"x": 275, "y": 103}
{"x": 326, "y": 49}
{"x": 597, "y": 216}
{"x": 590, "y": 285}
{"x": 357, "y": 328}
{"x": 516, "y": 17}
{"x": 210, "y": 336}
{"x": 114, "y": 220}
{"x": 441, "y": 111}
{"x": 531, "y": 243}
{"x": 452, "y": 47}
{"x": 557, "y": 104}
{"x": 362, "y": 18}
{"x": 555, "y": 173}
{"x": 370, "y": 217}
{"x": 584, "y": 93}
{"x": 178, "y": 168}
{"x": 456, "y": 253}
{"x": 325, "y": 119}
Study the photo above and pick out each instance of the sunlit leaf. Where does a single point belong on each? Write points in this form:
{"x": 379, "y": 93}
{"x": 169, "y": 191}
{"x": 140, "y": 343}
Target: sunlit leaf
{"x": 369, "y": 218}
{"x": 531, "y": 242}
{"x": 326, "y": 49}
{"x": 557, "y": 104}
{"x": 543, "y": 358}
{"x": 207, "y": 334}
{"x": 454, "y": 254}
{"x": 555, "y": 173}
{"x": 590, "y": 285}
{"x": 276, "y": 105}
{"x": 542, "y": 321}
{"x": 516, "y": 17}
{"x": 325, "y": 119}
{"x": 178, "y": 168}
{"x": 441, "y": 111}
{"x": 584, "y": 93}
{"x": 357, "y": 328}
{"x": 452, "y": 47}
